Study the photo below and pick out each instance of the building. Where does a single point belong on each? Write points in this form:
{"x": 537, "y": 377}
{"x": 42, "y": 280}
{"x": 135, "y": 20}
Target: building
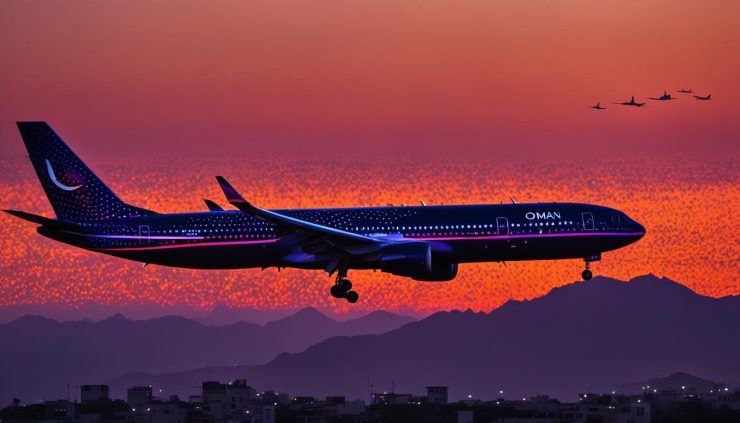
{"x": 228, "y": 401}
{"x": 94, "y": 393}
{"x": 339, "y": 406}
{"x": 166, "y": 412}
{"x": 437, "y": 395}
{"x": 139, "y": 398}
{"x": 391, "y": 398}
{"x": 464, "y": 416}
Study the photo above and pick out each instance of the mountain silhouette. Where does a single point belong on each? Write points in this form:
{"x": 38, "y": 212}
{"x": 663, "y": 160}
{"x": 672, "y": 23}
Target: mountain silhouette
{"x": 40, "y": 356}
{"x": 222, "y": 314}
{"x": 583, "y": 337}
{"x": 675, "y": 382}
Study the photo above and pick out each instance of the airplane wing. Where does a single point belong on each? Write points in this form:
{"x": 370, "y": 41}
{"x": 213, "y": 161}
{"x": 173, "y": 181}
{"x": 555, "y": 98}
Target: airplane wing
{"x": 347, "y": 241}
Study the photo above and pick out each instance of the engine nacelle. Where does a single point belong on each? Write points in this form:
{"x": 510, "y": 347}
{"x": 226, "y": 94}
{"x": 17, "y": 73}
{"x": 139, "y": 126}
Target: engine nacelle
{"x": 414, "y": 260}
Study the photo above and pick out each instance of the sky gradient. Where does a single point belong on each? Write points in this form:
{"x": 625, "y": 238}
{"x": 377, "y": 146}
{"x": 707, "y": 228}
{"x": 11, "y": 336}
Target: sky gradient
{"x": 337, "y": 77}
{"x": 340, "y": 103}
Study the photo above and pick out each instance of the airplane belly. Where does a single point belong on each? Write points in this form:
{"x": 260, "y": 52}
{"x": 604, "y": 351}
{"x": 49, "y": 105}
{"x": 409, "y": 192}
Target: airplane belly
{"x": 203, "y": 257}
{"x": 537, "y": 248}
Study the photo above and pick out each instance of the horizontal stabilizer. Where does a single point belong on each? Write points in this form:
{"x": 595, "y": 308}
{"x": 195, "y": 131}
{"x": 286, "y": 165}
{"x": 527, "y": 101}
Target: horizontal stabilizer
{"x": 212, "y": 206}
{"x": 42, "y": 220}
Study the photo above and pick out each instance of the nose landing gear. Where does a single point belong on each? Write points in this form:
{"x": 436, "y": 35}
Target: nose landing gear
{"x": 342, "y": 288}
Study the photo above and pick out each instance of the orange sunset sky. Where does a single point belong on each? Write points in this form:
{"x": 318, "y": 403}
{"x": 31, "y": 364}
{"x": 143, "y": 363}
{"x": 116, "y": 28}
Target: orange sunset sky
{"x": 341, "y": 103}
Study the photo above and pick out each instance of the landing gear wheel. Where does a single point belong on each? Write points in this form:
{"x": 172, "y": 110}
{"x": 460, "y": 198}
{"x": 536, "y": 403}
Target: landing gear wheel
{"x": 337, "y": 291}
{"x": 586, "y": 275}
{"x": 352, "y": 297}
{"x": 345, "y": 284}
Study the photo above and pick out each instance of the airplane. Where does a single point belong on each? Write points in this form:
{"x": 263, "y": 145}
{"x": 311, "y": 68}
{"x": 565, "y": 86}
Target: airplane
{"x": 685, "y": 91}
{"x": 597, "y": 107}
{"x": 664, "y": 97}
{"x": 424, "y": 243}
{"x": 698, "y": 97}
{"x": 631, "y": 103}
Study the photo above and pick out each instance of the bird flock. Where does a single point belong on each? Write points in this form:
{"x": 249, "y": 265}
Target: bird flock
{"x": 664, "y": 97}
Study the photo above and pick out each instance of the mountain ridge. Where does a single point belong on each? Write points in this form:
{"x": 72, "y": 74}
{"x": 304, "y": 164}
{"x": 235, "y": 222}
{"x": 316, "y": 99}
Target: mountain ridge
{"x": 39, "y": 354}
{"x": 581, "y": 337}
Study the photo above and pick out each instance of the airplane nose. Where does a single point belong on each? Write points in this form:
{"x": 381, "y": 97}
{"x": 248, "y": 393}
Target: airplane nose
{"x": 640, "y": 230}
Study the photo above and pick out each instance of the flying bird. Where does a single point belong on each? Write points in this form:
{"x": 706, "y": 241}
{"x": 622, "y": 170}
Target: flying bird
{"x": 631, "y": 103}
{"x": 664, "y": 97}
{"x": 597, "y": 107}
{"x": 698, "y": 97}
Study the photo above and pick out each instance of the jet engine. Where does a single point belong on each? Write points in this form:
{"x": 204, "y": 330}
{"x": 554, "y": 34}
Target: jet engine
{"x": 415, "y": 260}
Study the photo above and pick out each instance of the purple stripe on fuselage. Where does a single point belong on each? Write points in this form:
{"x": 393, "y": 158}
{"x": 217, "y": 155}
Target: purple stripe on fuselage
{"x": 141, "y": 236}
{"x": 200, "y": 244}
{"x": 471, "y": 238}
{"x": 169, "y": 237}
{"x": 564, "y": 235}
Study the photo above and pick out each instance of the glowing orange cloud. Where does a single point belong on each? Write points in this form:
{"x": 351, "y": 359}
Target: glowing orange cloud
{"x": 685, "y": 206}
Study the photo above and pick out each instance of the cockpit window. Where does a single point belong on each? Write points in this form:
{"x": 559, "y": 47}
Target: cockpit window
{"x": 616, "y": 219}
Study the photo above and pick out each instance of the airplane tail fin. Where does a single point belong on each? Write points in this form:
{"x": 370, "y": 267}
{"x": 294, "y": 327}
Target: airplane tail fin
{"x": 74, "y": 191}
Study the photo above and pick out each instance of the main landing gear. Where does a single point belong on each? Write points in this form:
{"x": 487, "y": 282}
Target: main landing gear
{"x": 586, "y": 274}
{"x": 342, "y": 288}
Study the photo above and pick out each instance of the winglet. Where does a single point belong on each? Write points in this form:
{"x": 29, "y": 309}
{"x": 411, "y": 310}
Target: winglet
{"x": 233, "y": 195}
{"x": 212, "y": 206}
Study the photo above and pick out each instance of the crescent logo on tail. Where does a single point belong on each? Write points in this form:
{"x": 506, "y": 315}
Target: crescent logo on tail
{"x": 56, "y": 181}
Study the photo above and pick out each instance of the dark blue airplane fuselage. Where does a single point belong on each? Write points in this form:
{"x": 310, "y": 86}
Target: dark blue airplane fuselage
{"x": 425, "y": 243}
{"x": 458, "y": 234}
